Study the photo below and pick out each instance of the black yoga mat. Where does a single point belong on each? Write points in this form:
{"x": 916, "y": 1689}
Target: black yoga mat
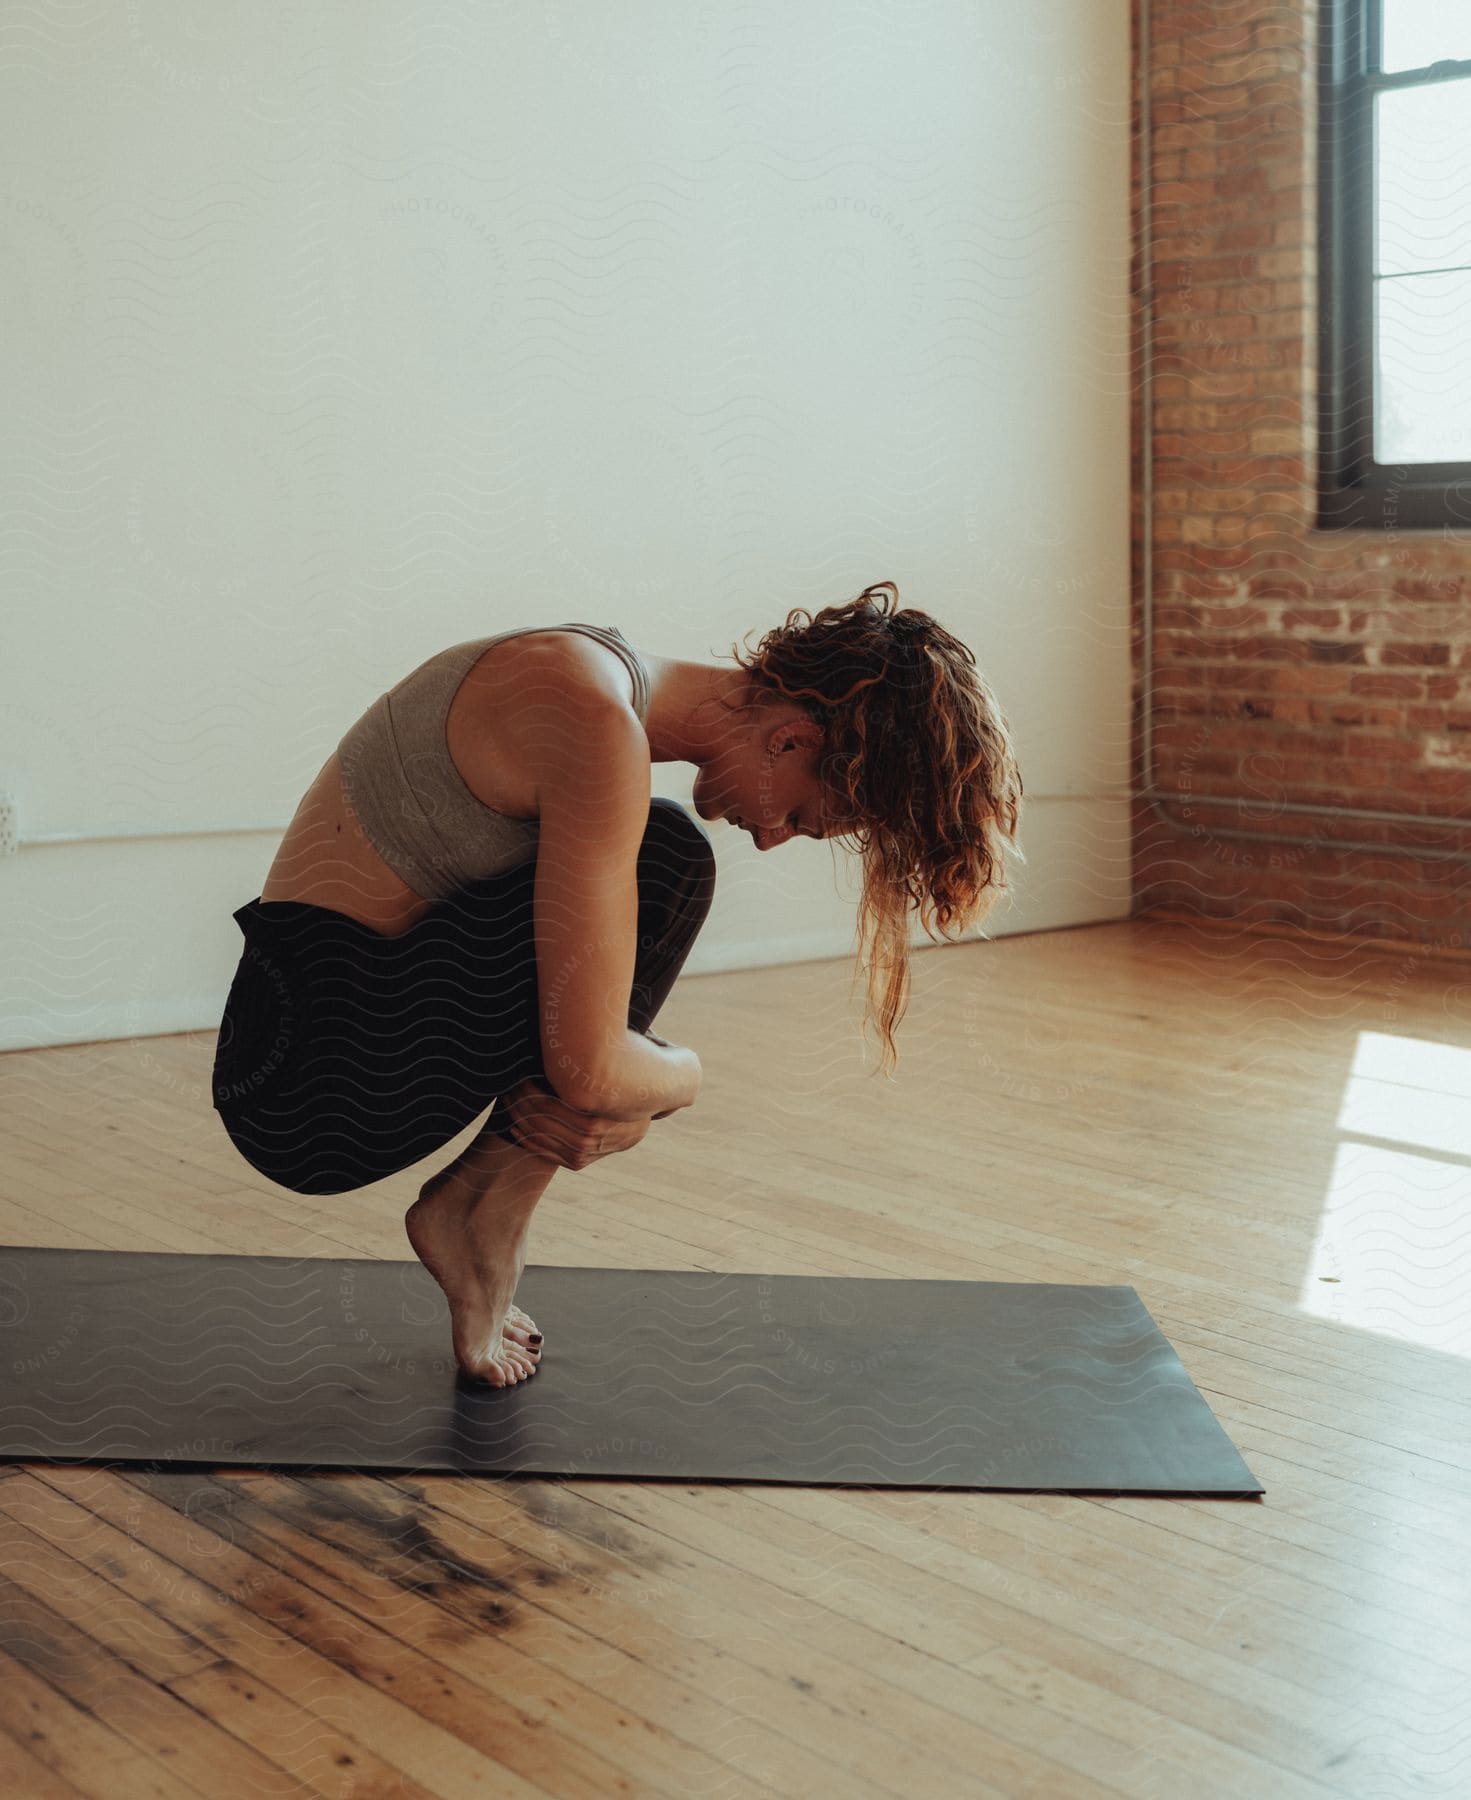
{"x": 662, "y": 1373}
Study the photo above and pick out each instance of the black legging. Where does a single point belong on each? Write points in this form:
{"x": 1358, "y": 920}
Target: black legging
{"x": 345, "y": 1055}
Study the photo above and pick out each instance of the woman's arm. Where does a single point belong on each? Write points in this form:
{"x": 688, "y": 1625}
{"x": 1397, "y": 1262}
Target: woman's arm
{"x": 643, "y": 1078}
{"x": 593, "y": 798}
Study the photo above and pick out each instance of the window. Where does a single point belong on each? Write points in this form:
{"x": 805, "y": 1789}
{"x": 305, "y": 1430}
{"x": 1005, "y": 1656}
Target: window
{"x": 1394, "y": 263}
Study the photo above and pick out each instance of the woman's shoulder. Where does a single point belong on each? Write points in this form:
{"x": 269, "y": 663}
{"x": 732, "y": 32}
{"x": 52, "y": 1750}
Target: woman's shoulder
{"x": 580, "y": 666}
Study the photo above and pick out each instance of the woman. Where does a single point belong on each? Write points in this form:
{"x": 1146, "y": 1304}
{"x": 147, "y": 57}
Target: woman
{"x": 478, "y": 900}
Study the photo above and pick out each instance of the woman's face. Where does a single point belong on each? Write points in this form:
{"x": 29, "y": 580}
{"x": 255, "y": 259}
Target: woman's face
{"x": 767, "y": 783}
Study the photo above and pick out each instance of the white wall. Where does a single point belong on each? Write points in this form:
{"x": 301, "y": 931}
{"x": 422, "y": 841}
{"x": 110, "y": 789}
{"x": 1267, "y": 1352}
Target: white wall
{"x": 335, "y": 336}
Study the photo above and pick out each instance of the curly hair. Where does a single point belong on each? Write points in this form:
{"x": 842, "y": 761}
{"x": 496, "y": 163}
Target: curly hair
{"x": 918, "y": 749}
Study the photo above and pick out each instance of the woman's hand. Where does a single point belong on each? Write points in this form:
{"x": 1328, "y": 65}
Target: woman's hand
{"x": 548, "y": 1127}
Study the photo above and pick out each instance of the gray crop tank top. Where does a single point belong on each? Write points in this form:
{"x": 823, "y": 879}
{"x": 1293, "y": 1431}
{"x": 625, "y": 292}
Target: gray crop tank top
{"x": 409, "y": 797}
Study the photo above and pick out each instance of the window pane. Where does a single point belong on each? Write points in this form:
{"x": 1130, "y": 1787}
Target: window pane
{"x": 1422, "y": 369}
{"x": 1422, "y": 178}
{"x": 1420, "y": 32}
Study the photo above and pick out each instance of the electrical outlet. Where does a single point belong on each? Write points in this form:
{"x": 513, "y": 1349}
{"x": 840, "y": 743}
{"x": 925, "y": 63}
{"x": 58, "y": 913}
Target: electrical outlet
{"x": 9, "y": 825}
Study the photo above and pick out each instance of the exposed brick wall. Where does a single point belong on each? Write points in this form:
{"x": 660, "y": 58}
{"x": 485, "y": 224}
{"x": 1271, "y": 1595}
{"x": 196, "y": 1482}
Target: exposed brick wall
{"x": 1290, "y": 664}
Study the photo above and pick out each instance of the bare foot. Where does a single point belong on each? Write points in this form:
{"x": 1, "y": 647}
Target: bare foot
{"x": 475, "y": 1250}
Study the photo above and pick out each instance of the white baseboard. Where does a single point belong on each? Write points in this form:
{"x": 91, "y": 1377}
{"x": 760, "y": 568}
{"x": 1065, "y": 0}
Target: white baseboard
{"x": 108, "y": 942}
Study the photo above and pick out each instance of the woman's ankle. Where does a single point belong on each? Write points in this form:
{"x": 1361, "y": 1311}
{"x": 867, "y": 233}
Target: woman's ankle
{"x": 493, "y": 1171}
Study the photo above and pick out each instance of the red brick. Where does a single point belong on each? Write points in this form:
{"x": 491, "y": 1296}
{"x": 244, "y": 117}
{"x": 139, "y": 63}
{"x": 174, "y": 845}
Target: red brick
{"x": 1243, "y": 678}
{"x": 1429, "y": 654}
{"x": 1211, "y": 762}
{"x": 1281, "y": 327}
{"x": 1431, "y": 718}
{"x": 1165, "y": 194}
{"x": 1387, "y": 749}
{"x": 1285, "y": 352}
{"x": 1285, "y": 385}
{"x": 1356, "y": 713}
{"x": 1276, "y": 586}
{"x": 1397, "y": 686}
{"x": 1295, "y": 770}
{"x": 1258, "y": 236}
{"x": 1173, "y": 137}
{"x": 1175, "y": 618}
{"x": 1443, "y": 587}
{"x": 1311, "y": 743}
{"x": 1350, "y": 584}
{"x": 1168, "y": 500}
{"x": 1265, "y": 647}
{"x": 1280, "y": 410}
{"x": 1277, "y": 439}
{"x": 1440, "y": 785}
{"x": 1355, "y": 772}
{"x": 1222, "y": 500}
{"x": 1332, "y": 650}
{"x": 1168, "y": 445}
{"x": 1173, "y": 327}
{"x": 1209, "y": 418}
{"x": 1223, "y": 104}
{"x": 1308, "y": 679}
{"x": 1201, "y": 584}
{"x": 1264, "y": 150}
{"x": 1227, "y": 556}
{"x": 1207, "y": 269}
{"x": 1183, "y": 737}
{"x": 1232, "y": 618}
{"x": 1233, "y": 40}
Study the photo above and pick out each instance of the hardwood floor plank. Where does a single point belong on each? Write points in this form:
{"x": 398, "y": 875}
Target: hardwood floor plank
{"x": 27, "y": 1776}
{"x": 69, "y": 1737}
{"x": 141, "y": 1709}
{"x": 27, "y": 1225}
{"x": 116, "y": 1623}
{"x": 318, "y": 1758}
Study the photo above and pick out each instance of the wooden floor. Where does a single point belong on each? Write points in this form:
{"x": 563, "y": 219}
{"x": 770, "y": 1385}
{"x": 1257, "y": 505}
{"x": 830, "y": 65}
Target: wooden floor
{"x": 1267, "y": 1137}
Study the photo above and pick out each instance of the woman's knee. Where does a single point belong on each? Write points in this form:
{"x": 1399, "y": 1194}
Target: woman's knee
{"x": 673, "y": 827}
{"x": 678, "y": 857}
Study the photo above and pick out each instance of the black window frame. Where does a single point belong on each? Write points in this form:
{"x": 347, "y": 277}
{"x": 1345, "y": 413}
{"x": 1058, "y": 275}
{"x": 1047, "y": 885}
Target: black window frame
{"x": 1353, "y": 489}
